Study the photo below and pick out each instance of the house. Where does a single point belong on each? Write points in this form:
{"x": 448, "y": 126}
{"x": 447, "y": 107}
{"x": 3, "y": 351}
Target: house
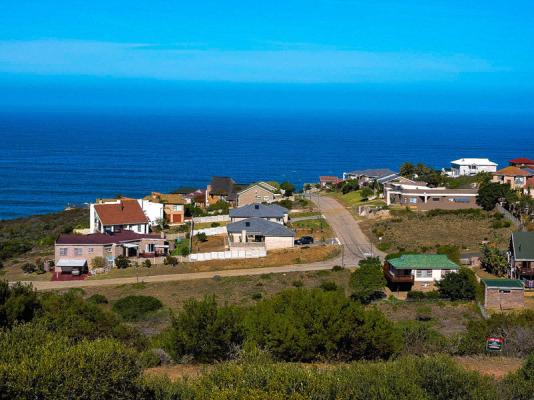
{"x": 119, "y": 215}
{"x": 261, "y": 192}
{"x": 222, "y": 188}
{"x": 419, "y": 196}
{"x": 503, "y": 294}
{"x": 514, "y": 176}
{"x": 271, "y": 212}
{"x": 259, "y": 231}
{"x": 418, "y": 268}
{"x": 521, "y": 255}
{"x": 173, "y": 206}
{"x": 365, "y": 176}
{"x": 329, "y": 181}
{"x": 521, "y": 162}
{"x": 77, "y": 251}
{"x": 153, "y": 211}
{"x": 471, "y": 166}
{"x": 529, "y": 187}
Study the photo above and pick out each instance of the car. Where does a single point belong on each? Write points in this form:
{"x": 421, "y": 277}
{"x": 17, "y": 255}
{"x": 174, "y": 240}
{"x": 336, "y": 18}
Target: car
{"x": 304, "y": 240}
{"x": 75, "y": 272}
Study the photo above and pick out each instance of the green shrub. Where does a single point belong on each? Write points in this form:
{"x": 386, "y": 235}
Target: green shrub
{"x": 147, "y": 263}
{"x": 18, "y": 303}
{"x": 368, "y": 281}
{"x": 298, "y": 283}
{"x": 215, "y": 224}
{"x": 29, "y": 268}
{"x": 418, "y": 295}
{"x": 122, "y": 262}
{"x": 461, "y": 285}
{"x": 256, "y": 296}
{"x": 134, "y": 308}
{"x": 328, "y": 286}
{"x": 170, "y": 260}
{"x": 202, "y": 237}
{"x": 97, "y": 299}
{"x": 337, "y": 268}
{"x": 383, "y": 246}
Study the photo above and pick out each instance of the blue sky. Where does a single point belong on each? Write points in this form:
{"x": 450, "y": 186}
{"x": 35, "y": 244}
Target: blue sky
{"x": 108, "y": 52}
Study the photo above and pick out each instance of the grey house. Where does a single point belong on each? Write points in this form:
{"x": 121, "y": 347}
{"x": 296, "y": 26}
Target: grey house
{"x": 270, "y": 212}
{"x": 272, "y": 235}
{"x": 380, "y": 175}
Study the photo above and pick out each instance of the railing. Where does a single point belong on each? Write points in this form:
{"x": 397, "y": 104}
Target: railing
{"x": 394, "y": 278}
{"x": 152, "y": 255}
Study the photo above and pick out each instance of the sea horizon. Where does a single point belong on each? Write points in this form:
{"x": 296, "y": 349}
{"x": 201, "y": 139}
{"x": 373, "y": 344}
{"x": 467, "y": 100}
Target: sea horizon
{"x": 53, "y": 158}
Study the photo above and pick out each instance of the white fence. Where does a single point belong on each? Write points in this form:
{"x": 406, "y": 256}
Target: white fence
{"x": 212, "y": 218}
{"x": 256, "y": 252}
{"x": 219, "y": 230}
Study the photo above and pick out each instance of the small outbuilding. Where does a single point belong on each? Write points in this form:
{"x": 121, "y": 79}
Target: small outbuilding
{"x": 503, "y": 294}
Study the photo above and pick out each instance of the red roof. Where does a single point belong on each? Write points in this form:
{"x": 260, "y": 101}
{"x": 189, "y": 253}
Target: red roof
{"x": 512, "y": 171}
{"x": 121, "y": 213}
{"x": 328, "y": 179}
{"x": 522, "y": 160}
{"x": 104, "y": 238}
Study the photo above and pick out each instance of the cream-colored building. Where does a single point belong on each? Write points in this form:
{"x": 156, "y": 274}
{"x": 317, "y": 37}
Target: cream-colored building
{"x": 261, "y": 192}
{"x": 258, "y": 231}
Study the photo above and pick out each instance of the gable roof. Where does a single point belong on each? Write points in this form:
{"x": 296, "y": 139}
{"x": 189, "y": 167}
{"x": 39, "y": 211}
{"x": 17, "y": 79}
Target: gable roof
{"x": 171, "y": 198}
{"x": 262, "y": 185}
{"x": 474, "y": 161}
{"x": 423, "y": 261}
{"x": 503, "y": 283}
{"x": 513, "y": 171}
{"x": 221, "y": 185}
{"x": 185, "y": 190}
{"x": 521, "y": 160}
{"x": 523, "y": 246}
{"x": 121, "y": 213}
{"x": 261, "y": 227}
{"x": 105, "y": 238}
{"x": 374, "y": 172}
{"x": 259, "y": 211}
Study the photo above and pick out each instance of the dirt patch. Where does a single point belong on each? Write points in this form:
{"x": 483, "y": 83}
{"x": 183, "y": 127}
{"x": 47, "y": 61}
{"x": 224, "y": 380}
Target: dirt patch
{"x": 179, "y": 371}
{"x": 497, "y": 367}
{"x": 214, "y": 243}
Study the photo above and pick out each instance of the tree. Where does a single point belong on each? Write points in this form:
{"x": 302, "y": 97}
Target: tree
{"x": 461, "y": 285}
{"x": 368, "y": 281}
{"x": 407, "y": 170}
{"x": 288, "y": 188}
{"x": 494, "y": 260}
{"x": 366, "y": 192}
{"x": 122, "y": 262}
{"x": 170, "y": 260}
{"x": 18, "y": 303}
{"x": 491, "y": 193}
{"x": 98, "y": 262}
{"x": 205, "y": 331}
{"x": 202, "y": 237}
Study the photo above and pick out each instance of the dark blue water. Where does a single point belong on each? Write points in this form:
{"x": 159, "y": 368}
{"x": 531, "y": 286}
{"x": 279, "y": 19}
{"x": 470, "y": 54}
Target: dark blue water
{"x": 51, "y": 159}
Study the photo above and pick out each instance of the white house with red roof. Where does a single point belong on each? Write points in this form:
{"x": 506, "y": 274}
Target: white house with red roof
{"x": 118, "y": 215}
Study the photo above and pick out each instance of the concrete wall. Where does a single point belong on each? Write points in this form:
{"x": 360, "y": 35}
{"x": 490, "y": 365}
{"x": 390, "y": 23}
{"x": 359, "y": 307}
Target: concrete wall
{"x": 212, "y": 218}
{"x": 219, "y": 230}
{"x": 277, "y": 220}
{"x": 436, "y": 275}
{"x": 274, "y": 242}
{"x": 255, "y": 252}
{"x": 434, "y": 202}
{"x": 504, "y": 299}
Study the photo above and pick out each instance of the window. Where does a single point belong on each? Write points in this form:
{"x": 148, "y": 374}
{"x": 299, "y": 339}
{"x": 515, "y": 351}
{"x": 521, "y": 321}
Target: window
{"x": 90, "y": 250}
{"x": 150, "y": 248}
{"x": 423, "y": 273}
{"x": 436, "y": 198}
{"x": 519, "y": 180}
{"x": 63, "y": 251}
{"x": 413, "y": 200}
{"x": 444, "y": 272}
{"x": 459, "y": 199}
{"x": 78, "y": 251}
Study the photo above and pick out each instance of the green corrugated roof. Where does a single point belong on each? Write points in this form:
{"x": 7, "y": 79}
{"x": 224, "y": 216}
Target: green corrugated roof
{"x": 523, "y": 243}
{"x": 423, "y": 261}
{"x": 503, "y": 283}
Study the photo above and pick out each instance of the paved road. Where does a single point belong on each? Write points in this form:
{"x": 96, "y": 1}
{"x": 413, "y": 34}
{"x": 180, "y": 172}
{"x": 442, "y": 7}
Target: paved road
{"x": 50, "y": 285}
{"x": 347, "y": 230}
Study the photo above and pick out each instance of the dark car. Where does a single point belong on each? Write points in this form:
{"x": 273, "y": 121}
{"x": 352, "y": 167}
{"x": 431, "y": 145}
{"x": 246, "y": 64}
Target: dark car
{"x": 304, "y": 240}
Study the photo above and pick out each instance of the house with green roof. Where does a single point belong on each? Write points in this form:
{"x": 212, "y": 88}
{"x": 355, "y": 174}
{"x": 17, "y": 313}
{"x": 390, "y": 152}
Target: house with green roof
{"x": 521, "y": 255}
{"x": 503, "y": 294}
{"x": 418, "y": 268}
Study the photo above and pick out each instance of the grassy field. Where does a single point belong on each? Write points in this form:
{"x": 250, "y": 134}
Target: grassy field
{"x": 353, "y": 199}
{"x": 421, "y": 232}
{"x": 275, "y": 258}
{"x": 318, "y": 228}
{"x": 304, "y": 214}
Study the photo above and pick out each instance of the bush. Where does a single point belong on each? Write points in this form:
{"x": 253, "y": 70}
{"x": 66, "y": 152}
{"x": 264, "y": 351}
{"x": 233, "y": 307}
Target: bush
{"x": 256, "y": 296}
{"x": 215, "y": 224}
{"x": 298, "y": 283}
{"x": 452, "y": 252}
{"x": 98, "y": 262}
{"x": 170, "y": 260}
{"x": 368, "y": 281}
{"x": 134, "y": 308}
{"x": 337, "y": 268}
{"x": 29, "y": 268}
{"x": 328, "y": 286}
{"x": 202, "y": 237}
{"x": 97, "y": 299}
{"x": 204, "y": 331}
{"x": 18, "y": 303}
{"x": 418, "y": 295}
{"x": 461, "y": 285}
{"x": 122, "y": 262}
{"x": 147, "y": 263}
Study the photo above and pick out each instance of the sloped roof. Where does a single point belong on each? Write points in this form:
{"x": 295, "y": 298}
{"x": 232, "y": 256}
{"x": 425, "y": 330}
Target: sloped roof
{"x": 222, "y": 185}
{"x": 123, "y": 212}
{"x": 521, "y": 160}
{"x": 513, "y": 171}
{"x": 503, "y": 283}
{"x": 374, "y": 173}
{"x": 259, "y": 211}
{"x": 523, "y": 245}
{"x": 261, "y": 227}
{"x": 423, "y": 261}
{"x": 263, "y": 185}
{"x": 105, "y": 238}
{"x": 171, "y": 198}
{"x": 473, "y": 161}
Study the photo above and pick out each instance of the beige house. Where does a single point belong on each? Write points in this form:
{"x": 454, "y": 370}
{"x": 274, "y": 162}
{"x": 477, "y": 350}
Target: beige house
{"x": 261, "y": 192}
{"x": 514, "y": 176}
{"x": 77, "y": 251}
{"x": 260, "y": 232}
{"x": 173, "y": 206}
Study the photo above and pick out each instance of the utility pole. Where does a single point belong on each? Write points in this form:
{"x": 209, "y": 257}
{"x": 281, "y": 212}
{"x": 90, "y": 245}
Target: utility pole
{"x": 342, "y": 256}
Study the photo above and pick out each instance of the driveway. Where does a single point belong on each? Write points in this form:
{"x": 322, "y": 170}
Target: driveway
{"x": 355, "y": 244}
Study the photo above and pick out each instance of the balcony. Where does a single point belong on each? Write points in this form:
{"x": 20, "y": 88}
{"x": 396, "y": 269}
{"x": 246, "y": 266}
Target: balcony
{"x": 398, "y": 276}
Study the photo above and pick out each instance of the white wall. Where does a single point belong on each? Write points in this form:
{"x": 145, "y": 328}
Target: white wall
{"x": 436, "y": 276}
{"x": 154, "y": 211}
{"x": 212, "y": 218}
{"x": 274, "y": 242}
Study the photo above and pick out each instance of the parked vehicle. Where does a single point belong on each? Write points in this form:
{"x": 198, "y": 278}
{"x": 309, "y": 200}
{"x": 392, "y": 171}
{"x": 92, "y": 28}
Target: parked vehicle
{"x": 304, "y": 240}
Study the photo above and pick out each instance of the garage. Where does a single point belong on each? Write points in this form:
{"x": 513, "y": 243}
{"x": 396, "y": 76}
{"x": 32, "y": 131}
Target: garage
{"x": 71, "y": 266}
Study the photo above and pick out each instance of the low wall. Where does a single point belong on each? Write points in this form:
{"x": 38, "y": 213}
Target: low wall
{"x": 256, "y": 252}
{"x": 219, "y": 230}
{"x": 211, "y": 218}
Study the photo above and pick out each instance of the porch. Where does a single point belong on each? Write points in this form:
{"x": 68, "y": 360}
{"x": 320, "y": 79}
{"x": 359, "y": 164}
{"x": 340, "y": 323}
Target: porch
{"x": 398, "y": 276}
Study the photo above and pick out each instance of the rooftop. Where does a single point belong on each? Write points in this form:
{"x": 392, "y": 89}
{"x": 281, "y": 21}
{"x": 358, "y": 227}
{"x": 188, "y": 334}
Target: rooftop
{"x": 423, "y": 261}
{"x": 264, "y": 185}
{"x": 261, "y": 227}
{"x": 521, "y": 160}
{"x": 473, "y": 161}
{"x": 121, "y": 213}
{"x": 104, "y": 238}
{"x": 171, "y": 198}
{"x": 514, "y": 171}
{"x": 259, "y": 211}
{"x": 523, "y": 245}
{"x": 374, "y": 173}
{"x": 503, "y": 283}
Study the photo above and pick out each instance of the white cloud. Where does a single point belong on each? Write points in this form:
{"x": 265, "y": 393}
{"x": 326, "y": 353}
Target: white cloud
{"x": 283, "y": 63}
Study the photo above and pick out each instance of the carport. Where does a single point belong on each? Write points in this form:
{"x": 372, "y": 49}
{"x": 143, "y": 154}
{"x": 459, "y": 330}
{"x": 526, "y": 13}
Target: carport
{"x": 65, "y": 265}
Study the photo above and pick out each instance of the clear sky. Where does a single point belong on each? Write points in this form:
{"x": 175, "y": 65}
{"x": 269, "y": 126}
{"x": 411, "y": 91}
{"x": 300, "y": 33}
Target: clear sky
{"x": 377, "y": 54}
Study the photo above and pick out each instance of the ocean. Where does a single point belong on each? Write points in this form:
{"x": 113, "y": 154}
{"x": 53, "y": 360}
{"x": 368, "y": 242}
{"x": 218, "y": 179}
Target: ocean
{"x": 51, "y": 159}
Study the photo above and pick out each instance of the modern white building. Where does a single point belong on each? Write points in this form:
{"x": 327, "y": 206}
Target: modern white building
{"x": 471, "y": 166}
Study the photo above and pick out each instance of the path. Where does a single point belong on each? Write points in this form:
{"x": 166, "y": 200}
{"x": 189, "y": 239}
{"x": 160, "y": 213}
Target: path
{"x": 318, "y": 266}
{"x": 347, "y": 230}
